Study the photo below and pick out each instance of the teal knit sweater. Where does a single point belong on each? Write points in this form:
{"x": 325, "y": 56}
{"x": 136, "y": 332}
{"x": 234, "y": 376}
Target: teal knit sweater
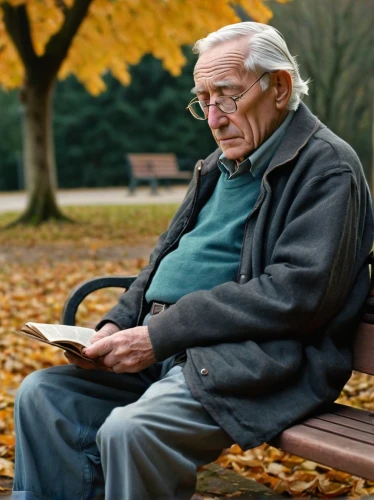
{"x": 209, "y": 255}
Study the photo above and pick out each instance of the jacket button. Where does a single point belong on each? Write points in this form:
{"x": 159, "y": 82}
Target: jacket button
{"x": 204, "y": 371}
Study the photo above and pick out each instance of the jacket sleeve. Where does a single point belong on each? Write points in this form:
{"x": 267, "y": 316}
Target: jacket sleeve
{"x": 307, "y": 280}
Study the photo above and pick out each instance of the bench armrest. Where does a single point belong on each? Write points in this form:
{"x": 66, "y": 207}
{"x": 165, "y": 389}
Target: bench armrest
{"x": 87, "y": 287}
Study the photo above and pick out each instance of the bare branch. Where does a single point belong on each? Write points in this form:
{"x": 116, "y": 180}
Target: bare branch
{"x": 58, "y": 46}
{"x": 60, "y": 4}
{"x": 18, "y": 27}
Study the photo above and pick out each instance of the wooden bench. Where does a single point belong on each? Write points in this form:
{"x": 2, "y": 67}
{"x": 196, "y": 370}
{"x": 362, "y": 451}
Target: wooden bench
{"x": 153, "y": 167}
{"x": 343, "y": 438}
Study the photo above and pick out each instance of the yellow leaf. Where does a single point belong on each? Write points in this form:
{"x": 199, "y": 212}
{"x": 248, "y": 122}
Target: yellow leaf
{"x": 115, "y": 34}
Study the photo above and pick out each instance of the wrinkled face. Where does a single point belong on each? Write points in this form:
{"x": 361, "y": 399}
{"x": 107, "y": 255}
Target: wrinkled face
{"x": 220, "y": 71}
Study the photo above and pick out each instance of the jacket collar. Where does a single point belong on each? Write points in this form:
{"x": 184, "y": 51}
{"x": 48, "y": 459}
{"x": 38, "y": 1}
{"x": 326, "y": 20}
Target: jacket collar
{"x": 302, "y": 127}
{"x": 300, "y": 130}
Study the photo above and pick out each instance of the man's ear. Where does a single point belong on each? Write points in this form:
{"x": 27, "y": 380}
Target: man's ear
{"x": 283, "y": 86}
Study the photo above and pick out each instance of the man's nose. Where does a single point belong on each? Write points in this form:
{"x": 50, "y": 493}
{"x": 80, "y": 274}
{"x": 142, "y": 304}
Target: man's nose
{"x": 216, "y": 117}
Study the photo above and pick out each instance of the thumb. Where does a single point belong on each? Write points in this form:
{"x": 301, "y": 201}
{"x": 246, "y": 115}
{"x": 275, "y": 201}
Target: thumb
{"x": 100, "y": 348}
{"x": 100, "y": 335}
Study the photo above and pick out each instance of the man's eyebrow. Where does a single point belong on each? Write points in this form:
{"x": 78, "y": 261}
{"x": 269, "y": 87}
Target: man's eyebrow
{"x": 219, "y": 84}
{"x": 197, "y": 90}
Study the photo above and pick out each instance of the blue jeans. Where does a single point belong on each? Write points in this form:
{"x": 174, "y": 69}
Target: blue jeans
{"x": 89, "y": 434}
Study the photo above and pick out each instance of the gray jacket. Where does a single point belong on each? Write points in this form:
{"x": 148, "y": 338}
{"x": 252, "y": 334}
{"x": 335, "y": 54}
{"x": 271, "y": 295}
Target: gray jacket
{"x": 275, "y": 344}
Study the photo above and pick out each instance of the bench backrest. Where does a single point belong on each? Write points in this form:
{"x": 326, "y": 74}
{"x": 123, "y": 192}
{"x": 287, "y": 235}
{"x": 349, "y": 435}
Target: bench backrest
{"x": 153, "y": 164}
{"x": 363, "y": 352}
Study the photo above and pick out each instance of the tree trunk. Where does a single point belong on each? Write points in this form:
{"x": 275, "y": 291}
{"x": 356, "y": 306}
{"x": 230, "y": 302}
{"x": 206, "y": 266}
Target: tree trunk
{"x": 38, "y": 157}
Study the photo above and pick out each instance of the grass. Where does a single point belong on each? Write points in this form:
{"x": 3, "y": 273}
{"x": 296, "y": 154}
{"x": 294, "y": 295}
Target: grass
{"x": 105, "y": 225}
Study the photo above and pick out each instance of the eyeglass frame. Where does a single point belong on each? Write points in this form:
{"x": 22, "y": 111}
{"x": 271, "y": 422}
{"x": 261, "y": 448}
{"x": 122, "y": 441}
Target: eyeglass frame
{"x": 235, "y": 98}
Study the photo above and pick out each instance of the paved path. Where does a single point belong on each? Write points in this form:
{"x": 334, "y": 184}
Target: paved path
{"x": 103, "y": 196}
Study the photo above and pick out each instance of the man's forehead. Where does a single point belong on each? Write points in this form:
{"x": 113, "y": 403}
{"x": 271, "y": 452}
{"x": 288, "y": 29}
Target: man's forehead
{"x": 225, "y": 83}
{"x": 222, "y": 60}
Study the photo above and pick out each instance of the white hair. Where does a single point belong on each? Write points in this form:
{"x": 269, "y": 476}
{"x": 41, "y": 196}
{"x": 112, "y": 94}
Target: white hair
{"x": 267, "y": 51}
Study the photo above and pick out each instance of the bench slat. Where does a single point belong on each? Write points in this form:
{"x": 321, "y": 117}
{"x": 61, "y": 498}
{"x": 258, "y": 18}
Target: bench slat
{"x": 333, "y": 445}
{"x": 347, "y": 422}
{"x": 335, "y": 451}
{"x": 340, "y": 429}
{"x": 354, "y": 413}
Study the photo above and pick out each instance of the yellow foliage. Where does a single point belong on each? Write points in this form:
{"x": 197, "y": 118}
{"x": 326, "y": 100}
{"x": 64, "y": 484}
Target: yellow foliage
{"x": 117, "y": 33}
{"x": 11, "y": 70}
{"x": 45, "y": 21}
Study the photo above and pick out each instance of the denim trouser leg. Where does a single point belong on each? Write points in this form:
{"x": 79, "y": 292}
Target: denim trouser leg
{"x": 57, "y": 414}
{"x": 152, "y": 434}
{"x": 150, "y": 449}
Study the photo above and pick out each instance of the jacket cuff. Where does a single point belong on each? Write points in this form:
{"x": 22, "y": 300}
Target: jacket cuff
{"x": 104, "y": 322}
{"x": 162, "y": 329}
{"x": 117, "y": 317}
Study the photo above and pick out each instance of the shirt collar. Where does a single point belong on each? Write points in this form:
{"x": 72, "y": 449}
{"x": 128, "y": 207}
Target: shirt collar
{"x": 258, "y": 161}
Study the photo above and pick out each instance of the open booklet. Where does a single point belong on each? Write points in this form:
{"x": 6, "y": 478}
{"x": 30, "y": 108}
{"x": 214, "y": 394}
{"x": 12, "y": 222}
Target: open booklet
{"x": 69, "y": 338}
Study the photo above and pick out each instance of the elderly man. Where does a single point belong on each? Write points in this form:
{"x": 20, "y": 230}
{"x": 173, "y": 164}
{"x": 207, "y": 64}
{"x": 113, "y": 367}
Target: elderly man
{"x": 241, "y": 323}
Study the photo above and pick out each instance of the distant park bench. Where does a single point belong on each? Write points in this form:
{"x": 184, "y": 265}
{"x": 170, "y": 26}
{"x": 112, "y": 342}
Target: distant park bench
{"x": 342, "y": 438}
{"x": 153, "y": 167}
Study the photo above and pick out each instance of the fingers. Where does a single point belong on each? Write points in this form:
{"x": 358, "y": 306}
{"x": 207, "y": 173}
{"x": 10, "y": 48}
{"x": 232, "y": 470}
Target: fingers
{"x": 98, "y": 336}
{"x": 124, "y": 351}
{"x": 80, "y": 362}
{"x": 118, "y": 368}
{"x": 100, "y": 348}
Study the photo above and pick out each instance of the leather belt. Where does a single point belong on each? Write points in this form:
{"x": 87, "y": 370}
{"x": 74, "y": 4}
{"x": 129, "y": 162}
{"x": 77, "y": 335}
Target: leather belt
{"x": 158, "y": 307}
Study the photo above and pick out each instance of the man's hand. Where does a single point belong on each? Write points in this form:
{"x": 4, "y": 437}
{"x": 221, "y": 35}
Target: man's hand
{"x": 127, "y": 351}
{"x": 107, "y": 330}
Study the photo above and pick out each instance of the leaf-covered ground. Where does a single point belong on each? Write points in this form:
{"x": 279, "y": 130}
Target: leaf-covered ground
{"x": 41, "y": 266}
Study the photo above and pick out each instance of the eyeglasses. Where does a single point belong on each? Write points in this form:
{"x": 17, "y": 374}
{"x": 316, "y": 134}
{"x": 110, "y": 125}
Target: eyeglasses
{"x": 227, "y": 104}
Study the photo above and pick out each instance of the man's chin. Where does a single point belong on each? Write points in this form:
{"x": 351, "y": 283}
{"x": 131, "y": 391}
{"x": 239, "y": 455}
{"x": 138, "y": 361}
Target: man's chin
{"x": 236, "y": 154}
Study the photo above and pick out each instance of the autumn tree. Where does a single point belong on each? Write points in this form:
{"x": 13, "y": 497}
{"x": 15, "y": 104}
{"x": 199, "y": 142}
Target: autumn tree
{"x": 41, "y": 40}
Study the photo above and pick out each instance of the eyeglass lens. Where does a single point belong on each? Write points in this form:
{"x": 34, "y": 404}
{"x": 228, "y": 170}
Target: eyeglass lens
{"x": 224, "y": 103}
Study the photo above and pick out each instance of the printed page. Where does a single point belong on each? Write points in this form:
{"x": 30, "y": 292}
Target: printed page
{"x": 55, "y": 333}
